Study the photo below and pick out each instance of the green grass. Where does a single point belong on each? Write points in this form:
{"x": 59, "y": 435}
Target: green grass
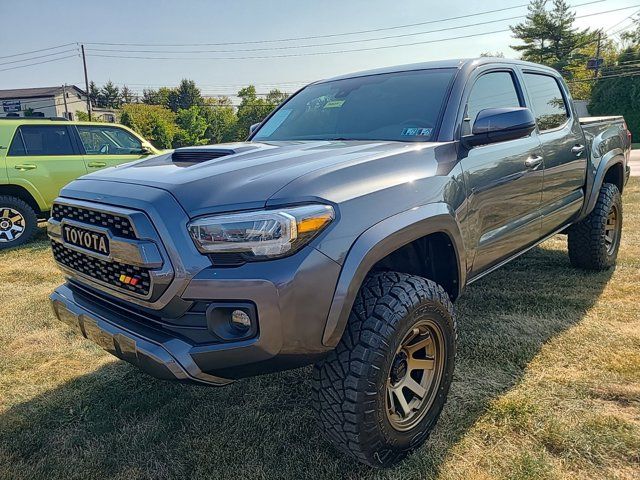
{"x": 547, "y": 386}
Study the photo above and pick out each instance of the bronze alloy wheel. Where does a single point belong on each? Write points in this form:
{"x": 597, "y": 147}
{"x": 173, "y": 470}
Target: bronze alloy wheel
{"x": 612, "y": 229}
{"x": 415, "y": 374}
{"x": 12, "y": 224}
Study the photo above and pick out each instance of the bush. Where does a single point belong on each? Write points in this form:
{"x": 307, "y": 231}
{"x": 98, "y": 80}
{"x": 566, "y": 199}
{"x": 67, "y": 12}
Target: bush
{"x": 619, "y": 95}
{"x": 153, "y": 122}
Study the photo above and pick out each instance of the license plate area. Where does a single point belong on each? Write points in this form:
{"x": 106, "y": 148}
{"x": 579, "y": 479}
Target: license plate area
{"x": 90, "y": 240}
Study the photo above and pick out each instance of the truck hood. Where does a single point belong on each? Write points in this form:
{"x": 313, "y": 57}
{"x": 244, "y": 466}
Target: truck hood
{"x": 248, "y": 174}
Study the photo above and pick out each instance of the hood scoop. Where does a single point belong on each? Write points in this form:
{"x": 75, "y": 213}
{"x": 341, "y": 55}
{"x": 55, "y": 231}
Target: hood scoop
{"x": 204, "y": 154}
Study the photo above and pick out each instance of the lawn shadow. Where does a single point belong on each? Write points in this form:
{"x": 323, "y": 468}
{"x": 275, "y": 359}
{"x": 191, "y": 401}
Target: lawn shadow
{"x": 117, "y": 422}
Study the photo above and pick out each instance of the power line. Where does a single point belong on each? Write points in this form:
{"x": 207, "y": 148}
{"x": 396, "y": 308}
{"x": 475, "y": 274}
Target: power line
{"x": 621, "y": 21}
{"x": 635, "y": 73}
{"x": 39, "y": 50}
{"x": 331, "y": 35}
{"x": 37, "y": 63}
{"x": 289, "y": 47}
{"x": 345, "y": 42}
{"x": 40, "y": 56}
{"x": 381, "y": 47}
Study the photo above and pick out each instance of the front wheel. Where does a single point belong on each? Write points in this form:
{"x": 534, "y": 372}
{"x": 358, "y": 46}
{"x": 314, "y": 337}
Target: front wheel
{"x": 380, "y": 392}
{"x": 594, "y": 241}
{"x": 18, "y": 222}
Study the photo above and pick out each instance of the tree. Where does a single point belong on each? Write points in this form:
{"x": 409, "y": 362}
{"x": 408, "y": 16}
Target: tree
{"x": 534, "y": 32}
{"x": 154, "y": 122}
{"x": 185, "y": 96}
{"x": 156, "y": 97}
{"x": 632, "y": 37}
{"x": 221, "y": 119}
{"x": 496, "y": 54}
{"x": 94, "y": 93}
{"x": 192, "y": 127}
{"x": 549, "y": 38}
{"x": 126, "y": 95}
{"x": 109, "y": 96}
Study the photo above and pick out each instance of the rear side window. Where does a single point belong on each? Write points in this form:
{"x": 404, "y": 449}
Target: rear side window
{"x": 41, "y": 140}
{"x": 17, "y": 146}
{"x": 491, "y": 90}
{"x": 103, "y": 140}
{"x": 547, "y": 101}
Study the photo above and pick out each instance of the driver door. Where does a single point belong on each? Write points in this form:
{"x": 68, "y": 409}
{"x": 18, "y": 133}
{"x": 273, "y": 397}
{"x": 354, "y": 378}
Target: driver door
{"x": 108, "y": 146}
{"x": 503, "y": 179}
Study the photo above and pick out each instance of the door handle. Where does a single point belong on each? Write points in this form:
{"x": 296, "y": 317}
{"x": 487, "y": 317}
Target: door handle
{"x": 577, "y": 150}
{"x": 97, "y": 164}
{"x": 533, "y": 161}
{"x": 26, "y": 166}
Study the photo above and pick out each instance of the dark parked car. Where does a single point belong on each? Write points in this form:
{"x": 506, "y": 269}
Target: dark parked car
{"x": 339, "y": 234}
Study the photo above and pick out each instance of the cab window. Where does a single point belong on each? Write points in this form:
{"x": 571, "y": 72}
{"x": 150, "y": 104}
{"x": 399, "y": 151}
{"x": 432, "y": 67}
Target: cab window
{"x": 491, "y": 90}
{"x": 41, "y": 140}
{"x": 98, "y": 140}
{"x": 547, "y": 102}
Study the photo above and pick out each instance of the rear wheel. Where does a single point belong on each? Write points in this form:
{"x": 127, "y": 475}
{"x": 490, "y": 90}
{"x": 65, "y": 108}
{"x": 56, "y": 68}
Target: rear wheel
{"x": 595, "y": 240}
{"x": 380, "y": 392}
{"x": 18, "y": 222}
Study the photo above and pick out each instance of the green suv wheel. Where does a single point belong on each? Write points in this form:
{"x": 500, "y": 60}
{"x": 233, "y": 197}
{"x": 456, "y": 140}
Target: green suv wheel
{"x": 380, "y": 392}
{"x": 18, "y": 222}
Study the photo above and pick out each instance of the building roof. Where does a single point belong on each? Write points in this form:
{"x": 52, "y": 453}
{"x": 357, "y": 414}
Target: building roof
{"x": 16, "y": 93}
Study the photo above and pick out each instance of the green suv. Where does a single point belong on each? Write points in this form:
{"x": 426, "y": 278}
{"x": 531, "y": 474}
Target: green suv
{"x": 39, "y": 156}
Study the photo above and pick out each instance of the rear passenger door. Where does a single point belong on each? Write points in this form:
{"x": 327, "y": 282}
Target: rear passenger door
{"x": 107, "y": 146}
{"x": 503, "y": 180}
{"x": 44, "y": 158}
{"x": 563, "y": 147}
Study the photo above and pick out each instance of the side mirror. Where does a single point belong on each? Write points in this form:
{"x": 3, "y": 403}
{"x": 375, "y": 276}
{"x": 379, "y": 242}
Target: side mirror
{"x": 500, "y": 124}
{"x": 253, "y": 128}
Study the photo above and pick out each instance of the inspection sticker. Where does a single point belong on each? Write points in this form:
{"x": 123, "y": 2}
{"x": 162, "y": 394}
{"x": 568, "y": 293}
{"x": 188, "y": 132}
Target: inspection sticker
{"x": 334, "y": 104}
{"x": 416, "y": 132}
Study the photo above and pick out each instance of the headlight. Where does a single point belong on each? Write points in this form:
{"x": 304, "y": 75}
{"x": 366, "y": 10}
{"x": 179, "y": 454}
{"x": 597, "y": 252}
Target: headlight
{"x": 264, "y": 233}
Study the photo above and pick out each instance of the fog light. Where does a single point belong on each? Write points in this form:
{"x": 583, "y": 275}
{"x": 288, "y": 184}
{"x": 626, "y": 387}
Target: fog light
{"x": 240, "y": 320}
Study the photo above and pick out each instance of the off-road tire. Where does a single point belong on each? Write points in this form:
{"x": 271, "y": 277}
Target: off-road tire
{"x": 350, "y": 384}
{"x": 27, "y": 213}
{"x": 587, "y": 243}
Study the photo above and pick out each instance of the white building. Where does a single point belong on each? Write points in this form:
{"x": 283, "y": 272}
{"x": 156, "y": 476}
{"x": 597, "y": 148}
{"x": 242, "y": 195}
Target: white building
{"x": 48, "y": 102}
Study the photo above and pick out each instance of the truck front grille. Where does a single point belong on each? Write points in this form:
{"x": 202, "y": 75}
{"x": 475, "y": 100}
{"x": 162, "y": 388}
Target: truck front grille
{"x": 109, "y": 273}
{"x": 119, "y": 226}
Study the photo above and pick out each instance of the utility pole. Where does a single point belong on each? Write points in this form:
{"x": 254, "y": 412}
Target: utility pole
{"x": 86, "y": 82}
{"x": 64, "y": 96}
{"x": 595, "y": 71}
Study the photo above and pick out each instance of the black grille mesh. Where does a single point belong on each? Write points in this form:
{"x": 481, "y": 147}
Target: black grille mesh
{"x": 107, "y": 272}
{"x": 119, "y": 226}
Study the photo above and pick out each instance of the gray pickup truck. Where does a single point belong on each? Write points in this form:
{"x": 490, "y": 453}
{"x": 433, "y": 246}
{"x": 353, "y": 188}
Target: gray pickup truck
{"x": 339, "y": 234}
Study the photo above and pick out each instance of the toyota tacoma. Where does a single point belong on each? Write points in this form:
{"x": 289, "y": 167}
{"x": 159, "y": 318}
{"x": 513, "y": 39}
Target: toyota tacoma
{"x": 340, "y": 234}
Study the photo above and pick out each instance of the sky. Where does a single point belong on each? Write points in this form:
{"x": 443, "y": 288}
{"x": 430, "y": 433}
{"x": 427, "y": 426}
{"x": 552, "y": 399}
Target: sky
{"x": 253, "y": 41}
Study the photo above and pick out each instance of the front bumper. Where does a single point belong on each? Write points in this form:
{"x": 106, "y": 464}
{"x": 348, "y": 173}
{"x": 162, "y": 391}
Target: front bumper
{"x": 157, "y": 354}
{"x": 291, "y": 302}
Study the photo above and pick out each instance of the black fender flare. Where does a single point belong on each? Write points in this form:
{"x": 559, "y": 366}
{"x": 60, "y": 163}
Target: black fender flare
{"x": 379, "y": 241}
{"x": 610, "y": 159}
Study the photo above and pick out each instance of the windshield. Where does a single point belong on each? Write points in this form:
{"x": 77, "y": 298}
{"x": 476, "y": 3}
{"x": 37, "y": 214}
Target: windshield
{"x": 400, "y": 106}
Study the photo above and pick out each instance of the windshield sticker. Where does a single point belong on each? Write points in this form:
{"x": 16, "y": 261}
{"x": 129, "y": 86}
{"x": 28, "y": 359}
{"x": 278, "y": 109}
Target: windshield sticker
{"x": 416, "y": 132}
{"x": 274, "y": 122}
{"x": 334, "y": 104}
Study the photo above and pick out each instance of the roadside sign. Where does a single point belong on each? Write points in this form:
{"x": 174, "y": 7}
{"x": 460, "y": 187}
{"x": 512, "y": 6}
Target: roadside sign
{"x": 594, "y": 63}
{"x": 11, "y": 105}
